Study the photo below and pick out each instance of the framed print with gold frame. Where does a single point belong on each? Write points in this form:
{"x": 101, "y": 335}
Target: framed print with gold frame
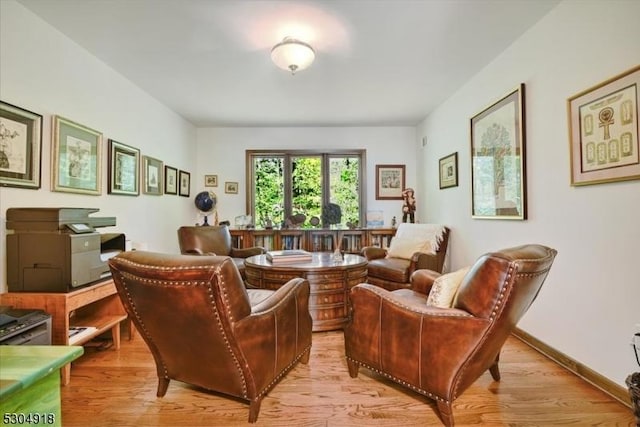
{"x": 603, "y": 131}
{"x": 152, "y": 170}
{"x": 211, "y": 180}
{"x": 76, "y": 159}
{"x": 124, "y": 169}
{"x": 20, "y": 147}
{"x": 498, "y": 161}
{"x": 448, "y": 167}
{"x": 231, "y": 187}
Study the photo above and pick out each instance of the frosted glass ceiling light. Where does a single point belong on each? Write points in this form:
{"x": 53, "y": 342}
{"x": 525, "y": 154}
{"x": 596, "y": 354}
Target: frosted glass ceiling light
{"x": 292, "y": 55}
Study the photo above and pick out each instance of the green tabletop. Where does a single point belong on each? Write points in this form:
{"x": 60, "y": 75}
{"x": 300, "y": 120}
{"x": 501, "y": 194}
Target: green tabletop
{"x": 23, "y": 365}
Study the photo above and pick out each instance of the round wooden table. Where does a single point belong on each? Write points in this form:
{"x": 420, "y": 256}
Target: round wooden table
{"x": 329, "y": 280}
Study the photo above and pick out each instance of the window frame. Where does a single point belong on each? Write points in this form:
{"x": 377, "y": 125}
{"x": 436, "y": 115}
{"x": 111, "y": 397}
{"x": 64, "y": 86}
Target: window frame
{"x": 325, "y": 156}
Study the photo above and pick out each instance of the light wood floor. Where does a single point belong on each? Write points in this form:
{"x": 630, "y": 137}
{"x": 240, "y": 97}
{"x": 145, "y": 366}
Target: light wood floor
{"x": 118, "y": 388}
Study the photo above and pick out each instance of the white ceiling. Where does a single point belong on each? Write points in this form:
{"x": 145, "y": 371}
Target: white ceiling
{"x": 378, "y": 62}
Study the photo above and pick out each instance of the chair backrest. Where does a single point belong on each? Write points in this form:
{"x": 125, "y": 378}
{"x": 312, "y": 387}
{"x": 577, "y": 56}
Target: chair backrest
{"x": 500, "y": 287}
{"x": 214, "y": 239}
{"x": 185, "y": 308}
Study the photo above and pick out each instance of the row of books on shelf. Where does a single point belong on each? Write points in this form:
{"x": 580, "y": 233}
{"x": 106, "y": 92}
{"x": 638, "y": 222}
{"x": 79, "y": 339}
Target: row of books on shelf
{"x": 289, "y": 256}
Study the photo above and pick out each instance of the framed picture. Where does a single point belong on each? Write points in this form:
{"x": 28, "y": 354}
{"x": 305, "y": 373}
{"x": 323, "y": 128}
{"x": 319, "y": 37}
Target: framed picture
{"x": 211, "y": 180}
{"x": 124, "y": 169}
{"x": 231, "y": 187}
{"x": 20, "y": 147}
{"x": 603, "y": 131}
{"x": 185, "y": 183}
{"x": 170, "y": 180}
{"x": 152, "y": 171}
{"x": 449, "y": 171}
{"x": 498, "y": 174}
{"x": 390, "y": 181}
{"x": 76, "y": 158}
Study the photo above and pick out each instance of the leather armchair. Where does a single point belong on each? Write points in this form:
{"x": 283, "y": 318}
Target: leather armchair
{"x": 394, "y": 273}
{"x": 204, "y": 328}
{"x": 440, "y": 352}
{"x": 214, "y": 240}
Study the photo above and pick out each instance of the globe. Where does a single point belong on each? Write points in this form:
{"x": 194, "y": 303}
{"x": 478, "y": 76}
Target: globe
{"x": 206, "y": 202}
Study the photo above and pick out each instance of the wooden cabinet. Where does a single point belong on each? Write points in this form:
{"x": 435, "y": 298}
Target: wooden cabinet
{"x": 313, "y": 240}
{"x": 97, "y": 305}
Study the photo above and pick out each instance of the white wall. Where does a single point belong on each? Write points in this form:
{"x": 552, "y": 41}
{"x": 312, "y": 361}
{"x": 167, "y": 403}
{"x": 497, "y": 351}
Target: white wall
{"x": 221, "y": 151}
{"x": 43, "y": 71}
{"x": 591, "y": 300}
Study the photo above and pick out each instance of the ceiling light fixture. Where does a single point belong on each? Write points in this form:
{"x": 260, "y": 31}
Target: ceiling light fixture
{"x": 292, "y": 55}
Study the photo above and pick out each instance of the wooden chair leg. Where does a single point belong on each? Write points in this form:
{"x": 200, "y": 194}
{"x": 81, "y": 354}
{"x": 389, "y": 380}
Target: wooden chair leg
{"x": 163, "y": 384}
{"x": 495, "y": 370}
{"x": 305, "y": 357}
{"x": 446, "y": 413}
{"x": 353, "y": 367}
{"x": 254, "y": 410}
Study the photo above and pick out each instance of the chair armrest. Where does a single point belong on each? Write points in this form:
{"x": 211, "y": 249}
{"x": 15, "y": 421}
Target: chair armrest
{"x": 373, "y": 252}
{"x": 290, "y": 288}
{"x": 427, "y": 261}
{"x": 247, "y": 252}
{"x": 422, "y": 280}
{"x": 197, "y": 251}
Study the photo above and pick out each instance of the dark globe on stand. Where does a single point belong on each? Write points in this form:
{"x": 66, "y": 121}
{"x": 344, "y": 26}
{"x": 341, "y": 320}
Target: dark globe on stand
{"x": 206, "y": 202}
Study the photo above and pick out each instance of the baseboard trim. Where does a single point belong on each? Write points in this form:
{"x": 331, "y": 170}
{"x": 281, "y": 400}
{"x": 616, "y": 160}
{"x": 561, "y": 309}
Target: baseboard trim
{"x": 614, "y": 390}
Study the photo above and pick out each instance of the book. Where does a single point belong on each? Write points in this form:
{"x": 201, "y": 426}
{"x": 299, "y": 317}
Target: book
{"x": 288, "y": 256}
{"x": 76, "y": 333}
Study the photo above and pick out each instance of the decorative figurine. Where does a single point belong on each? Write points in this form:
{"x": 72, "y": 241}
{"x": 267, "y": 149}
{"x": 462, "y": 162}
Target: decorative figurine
{"x": 409, "y": 206}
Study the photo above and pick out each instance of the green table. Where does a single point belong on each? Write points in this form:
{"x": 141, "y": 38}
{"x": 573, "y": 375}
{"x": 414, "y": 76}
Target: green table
{"x": 30, "y": 383}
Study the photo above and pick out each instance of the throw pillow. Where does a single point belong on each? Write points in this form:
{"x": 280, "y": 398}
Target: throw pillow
{"x": 404, "y": 247}
{"x": 445, "y": 288}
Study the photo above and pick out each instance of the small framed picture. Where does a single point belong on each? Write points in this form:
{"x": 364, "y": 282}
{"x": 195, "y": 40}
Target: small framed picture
{"x": 185, "y": 183}
{"x": 20, "y": 147}
{"x": 152, "y": 170}
{"x": 390, "y": 182}
{"x": 211, "y": 180}
{"x": 449, "y": 171}
{"x": 231, "y": 187}
{"x": 76, "y": 158}
{"x": 170, "y": 180}
{"x": 124, "y": 169}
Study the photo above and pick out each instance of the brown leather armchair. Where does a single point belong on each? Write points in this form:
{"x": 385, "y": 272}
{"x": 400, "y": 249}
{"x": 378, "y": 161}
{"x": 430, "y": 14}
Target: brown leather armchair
{"x": 440, "y": 352}
{"x": 204, "y": 328}
{"x": 214, "y": 240}
{"x": 392, "y": 272}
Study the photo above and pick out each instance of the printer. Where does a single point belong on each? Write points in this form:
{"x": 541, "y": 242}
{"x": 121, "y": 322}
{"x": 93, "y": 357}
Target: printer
{"x": 58, "y": 249}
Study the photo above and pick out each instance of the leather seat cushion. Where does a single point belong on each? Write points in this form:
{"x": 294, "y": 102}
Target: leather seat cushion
{"x": 392, "y": 269}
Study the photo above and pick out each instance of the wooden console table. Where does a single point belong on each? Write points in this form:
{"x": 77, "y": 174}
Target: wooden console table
{"x": 330, "y": 282}
{"x": 96, "y": 305}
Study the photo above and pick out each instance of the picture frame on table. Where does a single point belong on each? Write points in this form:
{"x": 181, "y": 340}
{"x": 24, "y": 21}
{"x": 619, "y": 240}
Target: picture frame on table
{"x": 170, "y": 180}
{"x": 76, "y": 159}
{"x": 231, "y": 187}
{"x": 603, "y": 131}
{"x": 211, "y": 180}
{"x": 498, "y": 159}
{"x": 124, "y": 169}
{"x": 448, "y": 167}
{"x": 152, "y": 170}
{"x": 390, "y": 182}
{"x": 20, "y": 147}
{"x": 185, "y": 183}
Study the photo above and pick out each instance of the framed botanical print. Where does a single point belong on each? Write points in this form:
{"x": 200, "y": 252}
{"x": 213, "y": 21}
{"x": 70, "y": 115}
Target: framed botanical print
{"x": 76, "y": 160}
{"x": 498, "y": 174}
{"x": 170, "y": 180}
{"x": 449, "y": 171}
{"x": 390, "y": 182}
{"x": 20, "y": 147}
{"x": 152, "y": 170}
{"x": 211, "y": 180}
{"x": 124, "y": 169}
{"x": 603, "y": 131}
{"x": 231, "y": 187}
{"x": 185, "y": 183}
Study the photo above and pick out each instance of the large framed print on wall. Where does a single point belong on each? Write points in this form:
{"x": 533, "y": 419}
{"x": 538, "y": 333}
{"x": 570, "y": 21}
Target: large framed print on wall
{"x": 603, "y": 131}
{"x": 20, "y": 147}
{"x": 76, "y": 158}
{"x": 390, "y": 182}
{"x": 498, "y": 161}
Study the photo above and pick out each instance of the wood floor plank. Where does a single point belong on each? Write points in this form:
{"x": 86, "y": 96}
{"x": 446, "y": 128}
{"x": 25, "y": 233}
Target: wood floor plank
{"x": 118, "y": 388}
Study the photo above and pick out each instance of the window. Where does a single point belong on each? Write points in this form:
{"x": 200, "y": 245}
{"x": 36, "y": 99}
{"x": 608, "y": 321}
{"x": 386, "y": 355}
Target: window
{"x": 286, "y": 183}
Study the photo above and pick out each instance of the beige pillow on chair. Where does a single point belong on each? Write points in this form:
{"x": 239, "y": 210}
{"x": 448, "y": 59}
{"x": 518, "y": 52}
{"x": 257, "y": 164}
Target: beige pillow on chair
{"x": 404, "y": 247}
{"x": 445, "y": 288}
